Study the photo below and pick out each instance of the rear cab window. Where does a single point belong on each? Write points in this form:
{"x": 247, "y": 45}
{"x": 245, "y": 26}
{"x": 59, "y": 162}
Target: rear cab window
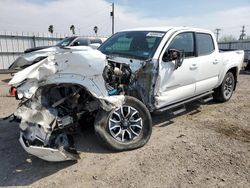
{"x": 205, "y": 44}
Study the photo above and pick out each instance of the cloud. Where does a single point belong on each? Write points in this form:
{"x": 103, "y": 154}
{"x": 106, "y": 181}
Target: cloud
{"x": 229, "y": 21}
{"x": 25, "y": 15}
{"x": 22, "y": 15}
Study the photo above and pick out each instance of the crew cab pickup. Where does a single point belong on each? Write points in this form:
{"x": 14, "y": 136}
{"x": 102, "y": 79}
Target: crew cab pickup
{"x": 135, "y": 72}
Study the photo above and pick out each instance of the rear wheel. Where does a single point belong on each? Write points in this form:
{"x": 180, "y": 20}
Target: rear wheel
{"x": 126, "y": 127}
{"x": 225, "y": 91}
{"x": 247, "y": 68}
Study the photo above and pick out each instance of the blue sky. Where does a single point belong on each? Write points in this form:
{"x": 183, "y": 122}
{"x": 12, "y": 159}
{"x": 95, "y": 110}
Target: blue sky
{"x": 37, "y": 15}
{"x": 163, "y": 8}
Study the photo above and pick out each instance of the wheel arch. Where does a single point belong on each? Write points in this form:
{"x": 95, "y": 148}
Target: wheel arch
{"x": 234, "y": 71}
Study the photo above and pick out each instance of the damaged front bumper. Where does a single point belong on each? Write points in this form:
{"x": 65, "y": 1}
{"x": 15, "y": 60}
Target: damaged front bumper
{"x": 43, "y": 133}
{"x": 45, "y": 153}
{"x": 49, "y": 119}
{"x": 59, "y": 95}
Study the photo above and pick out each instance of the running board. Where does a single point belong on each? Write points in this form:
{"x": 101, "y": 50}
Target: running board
{"x": 179, "y": 111}
{"x": 184, "y": 102}
{"x": 207, "y": 99}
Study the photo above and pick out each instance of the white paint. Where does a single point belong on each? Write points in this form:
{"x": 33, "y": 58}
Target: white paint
{"x": 196, "y": 75}
{"x": 85, "y": 67}
{"x": 45, "y": 153}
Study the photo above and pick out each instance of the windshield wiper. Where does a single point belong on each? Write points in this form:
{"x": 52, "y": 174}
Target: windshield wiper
{"x": 124, "y": 55}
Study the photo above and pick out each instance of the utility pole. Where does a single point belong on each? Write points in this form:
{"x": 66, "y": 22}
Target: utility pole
{"x": 217, "y": 32}
{"x": 242, "y": 33}
{"x": 112, "y": 14}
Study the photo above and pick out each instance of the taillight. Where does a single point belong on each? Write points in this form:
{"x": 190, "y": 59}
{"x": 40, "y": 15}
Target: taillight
{"x": 13, "y": 91}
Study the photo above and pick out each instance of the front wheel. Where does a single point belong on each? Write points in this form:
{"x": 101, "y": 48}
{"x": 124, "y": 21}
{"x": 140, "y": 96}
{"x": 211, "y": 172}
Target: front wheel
{"x": 225, "y": 91}
{"x": 126, "y": 127}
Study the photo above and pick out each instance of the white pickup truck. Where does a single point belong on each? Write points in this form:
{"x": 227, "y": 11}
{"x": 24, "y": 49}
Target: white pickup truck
{"x": 135, "y": 72}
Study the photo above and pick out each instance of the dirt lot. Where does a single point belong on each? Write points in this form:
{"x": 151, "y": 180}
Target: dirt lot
{"x": 208, "y": 146}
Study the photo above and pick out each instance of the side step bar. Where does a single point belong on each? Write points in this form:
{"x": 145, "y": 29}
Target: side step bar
{"x": 186, "y": 101}
{"x": 179, "y": 111}
{"x": 209, "y": 98}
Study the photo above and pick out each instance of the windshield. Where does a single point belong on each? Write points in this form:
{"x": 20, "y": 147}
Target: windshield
{"x": 66, "y": 41}
{"x": 135, "y": 44}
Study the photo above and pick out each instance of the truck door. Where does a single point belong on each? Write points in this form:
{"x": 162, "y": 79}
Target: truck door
{"x": 174, "y": 85}
{"x": 208, "y": 63}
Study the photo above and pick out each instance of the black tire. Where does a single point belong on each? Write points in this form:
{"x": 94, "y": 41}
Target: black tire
{"x": 105, "y": 119}
{"x": 225, "y": 91}
{"x": 247, "y": 68}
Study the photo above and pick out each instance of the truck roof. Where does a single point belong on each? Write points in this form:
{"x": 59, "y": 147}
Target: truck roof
{"x": 168, "y": 28}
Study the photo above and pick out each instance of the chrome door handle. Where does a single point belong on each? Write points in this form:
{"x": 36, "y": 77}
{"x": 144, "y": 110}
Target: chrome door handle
{"x": 193, "y": 67}
{"x": 215, "y": 61}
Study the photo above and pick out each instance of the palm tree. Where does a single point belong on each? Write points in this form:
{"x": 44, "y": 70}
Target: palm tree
{"x": 96, "y": 30}
{"x": 51, "y": 29}
{"x": 72, "y": 28}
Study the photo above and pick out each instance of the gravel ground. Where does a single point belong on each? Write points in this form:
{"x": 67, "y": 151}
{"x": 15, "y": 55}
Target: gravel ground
{"x": 207, "y": 146}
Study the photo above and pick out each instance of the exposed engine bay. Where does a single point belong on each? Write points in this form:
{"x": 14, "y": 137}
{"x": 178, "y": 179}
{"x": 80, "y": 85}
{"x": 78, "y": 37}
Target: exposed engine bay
{"x": 118, "y": 77}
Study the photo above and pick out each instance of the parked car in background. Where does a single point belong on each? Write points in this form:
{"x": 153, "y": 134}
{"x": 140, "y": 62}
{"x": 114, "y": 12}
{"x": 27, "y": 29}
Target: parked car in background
{"x": 71, "y": 41}
{"x": 36, "y": 54}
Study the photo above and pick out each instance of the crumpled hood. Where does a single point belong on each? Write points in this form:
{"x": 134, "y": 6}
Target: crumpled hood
{"x": 33, "y": 57}
{"x": 36, "y": 71}
{"x": 85, "y": 62}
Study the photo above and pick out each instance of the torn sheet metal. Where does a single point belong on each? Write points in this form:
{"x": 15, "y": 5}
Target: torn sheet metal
{"x": 82, "y": 67}
{"x": 44, "y": 125}
{"x": 35, "y": 113}
{"x": 37, "y": 71}
{"x": 48, "y": 154}
{"x": 111, "y": 102}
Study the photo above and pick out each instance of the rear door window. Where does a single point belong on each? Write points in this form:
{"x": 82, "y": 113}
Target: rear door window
{"x": 205, "y": 44}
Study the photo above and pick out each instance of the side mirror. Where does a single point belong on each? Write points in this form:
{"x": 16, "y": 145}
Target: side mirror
{"x": 77, "y": 43}
{"x": 94, "y": 45}
{"x": 174, "y": 55}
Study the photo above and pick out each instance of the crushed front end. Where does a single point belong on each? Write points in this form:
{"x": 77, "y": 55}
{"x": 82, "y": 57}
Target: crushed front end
{"x": 58, "y": 96}
{"x": 66, "y": 91}
{"x": 50, "y": 119}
